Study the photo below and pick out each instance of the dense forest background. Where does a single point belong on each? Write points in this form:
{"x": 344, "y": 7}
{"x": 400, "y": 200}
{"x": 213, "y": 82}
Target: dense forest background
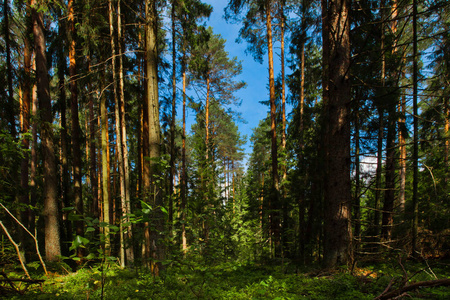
{"x": 96, "y": 161}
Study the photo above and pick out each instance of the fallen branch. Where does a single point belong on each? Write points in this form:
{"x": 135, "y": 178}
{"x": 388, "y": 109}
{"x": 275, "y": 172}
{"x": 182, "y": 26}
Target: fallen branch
{"x": 13, "y": 288}
{"x": 429, "y": 283}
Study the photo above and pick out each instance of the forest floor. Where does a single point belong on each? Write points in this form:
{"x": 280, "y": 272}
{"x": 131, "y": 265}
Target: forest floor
{"x": 195, "y": 280}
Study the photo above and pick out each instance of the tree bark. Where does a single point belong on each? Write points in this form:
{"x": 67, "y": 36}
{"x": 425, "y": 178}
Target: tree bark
{"x": 338, "y": 235}
{"x": 105, "y": 173}
{"x": 183, "y": 162}
{"x": 275, "y": 203}
{"x": 174, "y": 114}
{"x": 25, "y": 129}
{"x": 126, "y": 166}
{"x": 415, "y": 158}
{"x": 76, "y": 145}
{"x": 52, "y": 235}
{"x": 10, "y": 110}
{"x": 154, "y": 197}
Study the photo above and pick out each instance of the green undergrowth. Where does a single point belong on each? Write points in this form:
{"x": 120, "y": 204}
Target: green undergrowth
{"x": 197, "y": 280}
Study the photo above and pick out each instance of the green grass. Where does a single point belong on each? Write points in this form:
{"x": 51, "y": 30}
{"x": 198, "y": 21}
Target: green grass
{"x": 193, "y": 280}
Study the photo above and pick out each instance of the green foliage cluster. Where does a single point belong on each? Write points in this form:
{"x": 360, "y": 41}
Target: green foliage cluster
{"x": 193, "y": 278}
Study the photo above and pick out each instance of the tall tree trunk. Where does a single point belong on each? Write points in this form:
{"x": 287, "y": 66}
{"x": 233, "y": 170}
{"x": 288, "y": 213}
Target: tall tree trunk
{"x": 402, "y": 131}
{"x": 357, "y": 198}
{"x": 105, "y": 172}
{"x": 174, "y": 113}
{"x": 119, "y": 148}
{"x": 207, "y": 116}
{"x": 285, "y": 227}
{"x": 155, "y": 198}
{"x": 337, "y": 230}
{"x": 25, "y": 128}
{"x": 10, "y": 110}
{"x": 52, "y": 236}
{"x": 415, "y": 200}
{"x": 275, "y": 203}
{"x": 76, "y": 145}
{"x": 93, "y": 149}
{"x": 378, "y": 173}
{"x": 126, "y": 205}
{"x": 66, "y": 231}
{"x": 389, "y": 196}
{"x": 183, "y": 162}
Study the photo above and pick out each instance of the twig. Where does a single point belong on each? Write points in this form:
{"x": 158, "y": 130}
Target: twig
{"x": 33, "y": 236}
{"x": 17, "y": 249}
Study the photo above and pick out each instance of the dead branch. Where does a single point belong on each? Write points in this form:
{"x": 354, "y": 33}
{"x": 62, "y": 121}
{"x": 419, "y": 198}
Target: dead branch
{"x": 17, "y": 249}
{"x": 33, "y": 236}
{"x": 429, "y": 283}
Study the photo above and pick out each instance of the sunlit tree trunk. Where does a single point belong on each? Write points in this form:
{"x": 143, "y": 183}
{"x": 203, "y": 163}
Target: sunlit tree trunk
{"x": 52, "y": 235}
{"x": 275, "y": 218}
{"x": 126, "y": 206}
{"x": 183, "y": 162}
{"x": 119, "y": 148}
{"x": 402, "y": 131}
{"x": 105, "y": 173}
{"x": 283, "y": 135}
{"x": 154, "y": 197}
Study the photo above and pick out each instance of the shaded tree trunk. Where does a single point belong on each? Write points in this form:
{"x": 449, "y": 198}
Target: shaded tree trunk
{"x": 52, "y": 235}
{"x": 76, "y": 145}
{"x": 25, "y": 129}
{"x": 337, "y": 230}
{"x": 415, "y": 158}
{"x": 10, "y": 109}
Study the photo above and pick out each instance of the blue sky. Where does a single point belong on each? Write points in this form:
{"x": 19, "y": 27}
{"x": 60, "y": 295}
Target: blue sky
{"x": 253, "y": 73}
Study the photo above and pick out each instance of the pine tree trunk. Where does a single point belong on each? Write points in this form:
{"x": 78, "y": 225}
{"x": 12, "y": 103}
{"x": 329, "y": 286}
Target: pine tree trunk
{"x": 10, "y": 110}
{"x": 25, "y": 129}
{"x": 284, "y": 238}
{"x": 174, "y": 113}
{"x": 337, "y": 231}
{"x": 126, "y": 206}
{"x": 105, "y": 173}
{"x": 415, "y": 201}
{"x": 52, "y": 235}
{"x": 155, "y": 198}
{"x": 183, "y": 163}
{"x": 119, "y": 148}
{"x": 66, "y": 232}
{"x": 76, "y": 145}
{"x": 93, "y": 150}
{"x": 275, "y": 203}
